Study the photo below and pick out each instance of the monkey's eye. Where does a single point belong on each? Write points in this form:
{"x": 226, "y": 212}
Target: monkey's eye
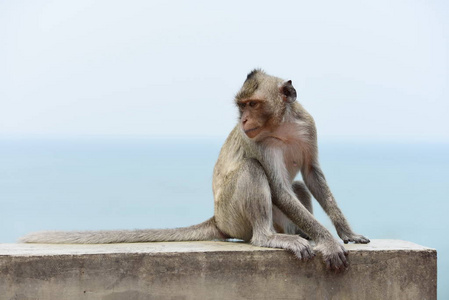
{"x": 242, "y": 105}
{"x": 252, "y": 103}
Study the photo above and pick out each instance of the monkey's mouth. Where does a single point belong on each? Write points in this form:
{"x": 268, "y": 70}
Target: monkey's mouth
{"x": 251, "y": 130}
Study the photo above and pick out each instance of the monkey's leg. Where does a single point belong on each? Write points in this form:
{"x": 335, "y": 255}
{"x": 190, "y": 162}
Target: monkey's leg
{"x": 250, "y": 207}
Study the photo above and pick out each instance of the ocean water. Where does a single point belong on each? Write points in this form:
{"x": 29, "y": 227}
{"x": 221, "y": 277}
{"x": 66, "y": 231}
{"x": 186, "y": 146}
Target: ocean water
{"x": 386, "y": 190}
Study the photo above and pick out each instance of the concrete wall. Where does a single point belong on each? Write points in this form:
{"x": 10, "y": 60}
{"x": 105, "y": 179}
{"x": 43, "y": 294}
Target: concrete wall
{"x": 383, "y": 269}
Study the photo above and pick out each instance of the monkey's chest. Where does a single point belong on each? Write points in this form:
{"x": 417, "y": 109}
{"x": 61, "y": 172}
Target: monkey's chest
{"x": 296, "y": 150}
{"x": 293, "y": 158}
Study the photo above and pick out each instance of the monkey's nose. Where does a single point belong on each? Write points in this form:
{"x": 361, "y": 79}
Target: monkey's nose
{"x": 244, "y": 121}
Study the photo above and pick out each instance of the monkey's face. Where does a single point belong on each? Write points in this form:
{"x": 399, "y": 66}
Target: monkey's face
{"x": 254, "y": 116}
{"x": 262, "y": 102}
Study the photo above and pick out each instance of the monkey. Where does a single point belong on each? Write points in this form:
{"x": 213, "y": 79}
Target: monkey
{"x": 256, "y": 196}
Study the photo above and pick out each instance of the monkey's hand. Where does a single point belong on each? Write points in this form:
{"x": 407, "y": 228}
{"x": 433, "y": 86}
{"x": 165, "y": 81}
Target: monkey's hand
{"x": 352, "y": 237}
{"x": 334, "y": 254}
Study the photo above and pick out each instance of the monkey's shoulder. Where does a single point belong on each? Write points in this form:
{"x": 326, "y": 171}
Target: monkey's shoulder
{"x": 293, "y": 132}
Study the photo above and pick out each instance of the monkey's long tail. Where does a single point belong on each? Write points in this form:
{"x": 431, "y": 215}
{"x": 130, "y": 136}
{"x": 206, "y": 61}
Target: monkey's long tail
{"x": 205, "y": 231}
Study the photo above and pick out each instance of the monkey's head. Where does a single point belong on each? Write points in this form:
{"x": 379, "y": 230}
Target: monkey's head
{"x": 262, "y": 102}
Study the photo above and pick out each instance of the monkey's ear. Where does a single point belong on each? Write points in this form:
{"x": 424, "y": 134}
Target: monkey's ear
{"x": 288, "y": 92}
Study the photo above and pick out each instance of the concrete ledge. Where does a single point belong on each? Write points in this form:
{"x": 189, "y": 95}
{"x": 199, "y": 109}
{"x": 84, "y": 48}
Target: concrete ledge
{"x": 383, "y": 269}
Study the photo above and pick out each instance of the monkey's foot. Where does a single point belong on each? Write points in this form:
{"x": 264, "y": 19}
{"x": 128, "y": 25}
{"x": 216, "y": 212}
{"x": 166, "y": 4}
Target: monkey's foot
{"x": 296, "y": 244}
{"x": 334, "y": 255}
{"x": 356, "y": 238}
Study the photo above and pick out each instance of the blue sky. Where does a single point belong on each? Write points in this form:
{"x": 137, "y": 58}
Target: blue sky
{"x": 366, "y": 70}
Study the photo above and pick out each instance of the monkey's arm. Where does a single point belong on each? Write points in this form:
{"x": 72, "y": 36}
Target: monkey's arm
{"x": 317, "y": 185}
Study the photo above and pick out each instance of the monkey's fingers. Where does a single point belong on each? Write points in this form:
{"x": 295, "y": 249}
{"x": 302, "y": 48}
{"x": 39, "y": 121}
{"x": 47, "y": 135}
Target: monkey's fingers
{"x": 337, "y": 261}
{"x": 308, "y": 253}
{"x": 304, "y": 253}
{"x": 356, "y": 238}
{"x": 344, "y": 259}
{"x": 363, "y": 240}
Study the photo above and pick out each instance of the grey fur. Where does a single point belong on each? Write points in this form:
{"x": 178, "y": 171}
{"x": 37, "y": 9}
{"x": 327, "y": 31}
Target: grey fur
{"x": 201, "y": 232}
{"x": 256, "y": 199}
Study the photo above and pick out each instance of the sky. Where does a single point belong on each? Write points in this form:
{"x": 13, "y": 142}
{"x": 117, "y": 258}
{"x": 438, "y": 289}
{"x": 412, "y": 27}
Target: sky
{"x": 366, "y": 70}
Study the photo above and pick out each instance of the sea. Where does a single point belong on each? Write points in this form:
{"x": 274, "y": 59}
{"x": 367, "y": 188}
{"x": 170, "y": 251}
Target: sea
{"x": 387, "y": 190}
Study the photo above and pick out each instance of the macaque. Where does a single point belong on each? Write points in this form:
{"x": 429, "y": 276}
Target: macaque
{"x": 256, "y": 197}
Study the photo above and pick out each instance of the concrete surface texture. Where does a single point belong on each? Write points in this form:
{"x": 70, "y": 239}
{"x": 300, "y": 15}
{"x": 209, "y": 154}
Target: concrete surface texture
{"x": 383, "y": 269}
